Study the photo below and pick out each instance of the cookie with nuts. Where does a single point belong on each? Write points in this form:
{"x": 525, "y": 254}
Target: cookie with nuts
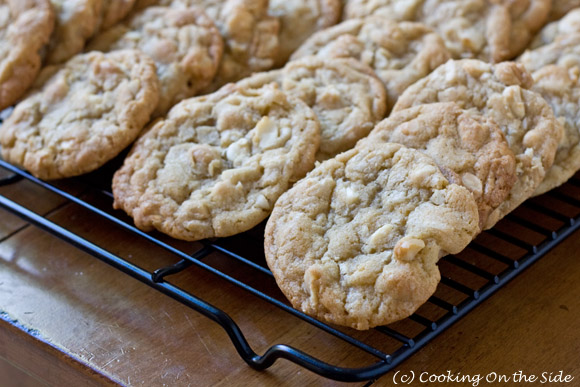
{"x": 76, "y": 22}
{"x": 346, "y": 96}
{"x": 501, "y": 92}
{"x": 216, "y": 164}
{"x": 560, "y": 87}
{"x": 25, "y": 29}
{"x": 492, "y": 31}
{"x": 399, "y": 53}
{"x": 251, "y": 35}
{"x": 299, "y": 19}
{"x": 356, "y": 242}
{"x": 82, "y": 114}
{"x": 184, "y": 43}
{"x": 469, "y": 148}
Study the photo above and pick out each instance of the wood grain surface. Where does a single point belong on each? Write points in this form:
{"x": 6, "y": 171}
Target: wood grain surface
{"x": 68, "y": 319}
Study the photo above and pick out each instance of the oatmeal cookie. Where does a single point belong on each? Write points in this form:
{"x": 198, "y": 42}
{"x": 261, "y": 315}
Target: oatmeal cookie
{"x": 216, "y": 164}
{"x": 564, "y": 51}
{"x": 570, "y": 24}
{"x": 86, "y": 112}
{"x": 184, "y": 43}
{"x": 251, "y": 40}
{"x": 76, "y": 21}
{"x": 400, "y": 53}
{"x": 25, "y": 28}
{"x": 502, "y": 93}
{"x": 250, "y": 35}
{"x": 469, "y": 148}
{"x": 560, "y": 87}
{"x": 299, "y": 19}
{"x": 346, "y": 96}
{"x": 489, "y": 30}
{"x": 357, "y": 240}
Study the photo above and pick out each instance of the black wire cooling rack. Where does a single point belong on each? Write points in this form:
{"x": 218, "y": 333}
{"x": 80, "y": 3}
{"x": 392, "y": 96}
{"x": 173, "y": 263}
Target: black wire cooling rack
{"x": 494, "y": 258}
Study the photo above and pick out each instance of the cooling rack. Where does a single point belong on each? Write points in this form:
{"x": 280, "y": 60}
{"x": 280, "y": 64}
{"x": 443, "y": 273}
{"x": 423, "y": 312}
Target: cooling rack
{"x": 467, "y": 279}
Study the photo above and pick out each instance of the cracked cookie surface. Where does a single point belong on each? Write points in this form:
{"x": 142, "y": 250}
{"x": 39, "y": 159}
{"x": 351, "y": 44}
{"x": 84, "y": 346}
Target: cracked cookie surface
{"x": 25, "y": 28}
{"x": 184, "y": 43}
{"x": 86, "y": 112}
{"x": 216, "y": 164}
{"x": 346, "y": 96}
{"x": 469, "y": 148}
{"x": 564, "y": 51}
{"x": 560, "y": 87}
{"x": 399, "y": 53}
{"x": 299, "y": 19}
{"x": 493, "y": 31}
{"x": 76, "y": 21}
{"x": 502, "y": 93}
{"x": 357, "y": 240}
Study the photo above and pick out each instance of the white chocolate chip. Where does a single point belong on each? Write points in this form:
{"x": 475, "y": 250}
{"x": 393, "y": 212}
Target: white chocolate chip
{"x": 380, "y": 237}
{"x": 351, "y": 196}
{"x": 262, "y": 202}
{"x": 422, "y": 175}
{"x": 266, "y": 134}
{"x": 238, "y": 151}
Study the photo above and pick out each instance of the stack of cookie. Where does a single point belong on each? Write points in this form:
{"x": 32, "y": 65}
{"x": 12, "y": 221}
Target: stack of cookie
{"x": 361, "y": 206}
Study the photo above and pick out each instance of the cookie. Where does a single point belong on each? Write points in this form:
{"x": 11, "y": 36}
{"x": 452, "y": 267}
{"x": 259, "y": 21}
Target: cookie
{"x": 400, "y": 53}
{"x": 345, "y": 95}
{"x": 492, "y": 31}
{"x": 184, "y": 43}
{"x": 76, "y": 22}
{"x": 564, "y": 51}
{"x": 569, "y": 24}
{"x": 356, "y": 241}
{"x": 216, "y": 164}
{"x": 469, "y": 148}
{"x": 86, "y": 112}
{"x": 561, "y": 7}
{"x": 502, "y": 93}
{"x": 113, "y": 12}
{"x": 299, "y": 19}
{"x": 560, "y": 87}
{"x": 25, "y": 28}
{"x": 251, "y": 40}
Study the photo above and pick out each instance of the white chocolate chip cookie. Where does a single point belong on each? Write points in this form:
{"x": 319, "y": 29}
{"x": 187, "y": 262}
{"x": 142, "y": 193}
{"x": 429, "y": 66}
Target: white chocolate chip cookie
{"x": 493, "y": 31}
{"x": 25, "y": 28}
{"x": 184, "y": 43}
{"x": 502, "y": 93}
{"x": 299, "y": 19}
{"x": 83, "y": 114}
{"x": 216, "y": 164}
{"x": 346, "y": 96}
{"x": 356, "y": 241}
{"x": 400, "y": 53}
{"x": 469, "y": 148}
{"x": 560, "y": 87}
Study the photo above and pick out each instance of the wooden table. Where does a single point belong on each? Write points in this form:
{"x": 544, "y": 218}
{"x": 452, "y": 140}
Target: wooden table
{"x": 67, "y": 319}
